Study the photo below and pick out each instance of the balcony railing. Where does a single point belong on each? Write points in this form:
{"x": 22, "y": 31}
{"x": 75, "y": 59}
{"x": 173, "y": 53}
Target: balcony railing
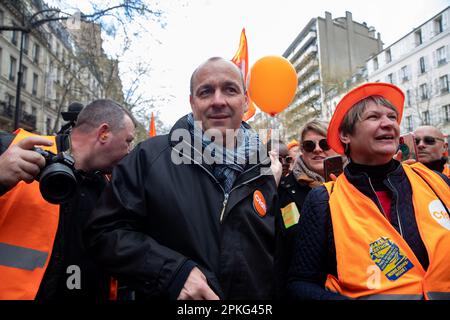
{"x": 27, "y": 120}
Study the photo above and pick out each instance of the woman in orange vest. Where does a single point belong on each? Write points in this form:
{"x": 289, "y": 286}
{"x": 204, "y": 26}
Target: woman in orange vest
{"x": 381, "y": 230}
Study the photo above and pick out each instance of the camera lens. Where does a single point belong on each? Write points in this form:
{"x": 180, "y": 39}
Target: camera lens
{"x": 57, "y": 183}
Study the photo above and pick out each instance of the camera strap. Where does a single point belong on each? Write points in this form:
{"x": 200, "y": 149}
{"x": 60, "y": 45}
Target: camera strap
{"x": 62, "y": 142}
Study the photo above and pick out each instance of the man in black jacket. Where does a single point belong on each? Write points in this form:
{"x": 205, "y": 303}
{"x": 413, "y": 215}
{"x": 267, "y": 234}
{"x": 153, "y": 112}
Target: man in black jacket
{"x": 186, "y": 218}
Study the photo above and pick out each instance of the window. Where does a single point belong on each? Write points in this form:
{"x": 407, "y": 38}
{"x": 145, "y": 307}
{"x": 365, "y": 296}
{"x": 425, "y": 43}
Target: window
{"x": 443, "y": 84}
{"x": 418, "y": 37}
{"x": 14, "y": 35}
{"x": 12, "y": 68}
{"x": 404, "y": 74}
{"x": 437, "y": 24}
{"x": 33, "y": 111}
{"x": 441, "y": 56}
{"x": 10, "y": 100}
{"x": 35, "y": 84}
{"x": 24, "y": 76}
{"x": 2, "y": 19}
{"x": 26, "y": 43}
{"x": 423, "y": 91}
{"x": 388, "y": 56}
{"x": 36, "y": 53}
{"x": 57, "y": 51}
{"x": 409, "y": 123}
{"x": 408, "y": 97}
{"x": 390, "y": 78}
{"x": 426, "y": 117}
{"x": 446, "y": 111}
{"x": 50, "y": 41}
{"x": 422, "y": 66}
{"x": 375, "y": 64}
{"x": 1, "y": 55}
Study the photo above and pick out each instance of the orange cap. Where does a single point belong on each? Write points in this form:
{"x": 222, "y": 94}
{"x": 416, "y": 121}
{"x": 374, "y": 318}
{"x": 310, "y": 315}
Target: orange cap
{"x": 292, "y": 144}
{"x": 388, "y": 91}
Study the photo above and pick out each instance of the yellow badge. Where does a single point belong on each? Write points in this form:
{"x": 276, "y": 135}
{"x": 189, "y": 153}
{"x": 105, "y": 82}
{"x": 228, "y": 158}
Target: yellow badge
{"x": 290, "y": 215}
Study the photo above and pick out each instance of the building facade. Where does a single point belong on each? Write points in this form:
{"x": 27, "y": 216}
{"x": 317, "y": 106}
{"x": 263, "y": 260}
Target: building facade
{"x": 324, "y": 54}
{"x": 56, "y": 70}
{"x": 419, "y": 63}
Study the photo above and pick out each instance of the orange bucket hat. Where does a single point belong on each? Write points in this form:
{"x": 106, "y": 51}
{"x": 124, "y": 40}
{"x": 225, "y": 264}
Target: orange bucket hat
{"x": 386, "y": 90}
{"x": 292, "y": 144}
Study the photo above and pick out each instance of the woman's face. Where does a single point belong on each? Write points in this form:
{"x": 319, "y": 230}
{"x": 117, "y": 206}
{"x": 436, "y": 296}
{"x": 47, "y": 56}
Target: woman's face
{"x": 312, "y": 152}
{"x": 375, "y": 137}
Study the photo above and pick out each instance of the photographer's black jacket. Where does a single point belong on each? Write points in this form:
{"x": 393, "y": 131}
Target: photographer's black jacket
{"x": 157, "y": 220}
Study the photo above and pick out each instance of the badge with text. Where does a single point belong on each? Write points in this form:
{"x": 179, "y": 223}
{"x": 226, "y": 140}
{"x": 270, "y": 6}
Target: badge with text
{"x": 389, "y": 258}
{"x": 259, "y": 203}
{"x": 290, "y": 215}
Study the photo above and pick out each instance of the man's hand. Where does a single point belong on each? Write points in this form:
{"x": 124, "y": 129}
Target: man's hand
{"x": 196, "y": 287}
{"x": 276, "y": 166}
{"x": 19, "y": 162}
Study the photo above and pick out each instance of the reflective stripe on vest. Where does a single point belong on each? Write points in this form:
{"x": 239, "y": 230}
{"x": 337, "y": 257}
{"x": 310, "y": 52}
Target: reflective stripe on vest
{"x": 28, "y": 227}
{"x": 20, "y": 257}
{"x": 373, "y": 260}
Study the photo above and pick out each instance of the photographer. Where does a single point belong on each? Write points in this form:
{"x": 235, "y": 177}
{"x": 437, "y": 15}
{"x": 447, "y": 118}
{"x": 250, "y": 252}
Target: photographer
{"x": 41, "y": 250}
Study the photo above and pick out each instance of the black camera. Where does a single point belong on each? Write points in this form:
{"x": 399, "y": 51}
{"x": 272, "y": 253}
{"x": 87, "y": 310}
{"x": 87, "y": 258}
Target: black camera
{"x": 57, "y": 181}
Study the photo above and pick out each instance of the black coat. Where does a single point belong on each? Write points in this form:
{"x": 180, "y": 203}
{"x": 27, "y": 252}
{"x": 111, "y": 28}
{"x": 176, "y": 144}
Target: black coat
{"x": 157, "y": 220}
{"x": 289, "y": 190}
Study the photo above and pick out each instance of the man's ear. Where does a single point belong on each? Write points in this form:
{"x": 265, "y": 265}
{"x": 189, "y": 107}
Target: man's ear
{"x": 103, "y": 132}
{"x": 191, "y": 101}
{"x": 247, "y": 101}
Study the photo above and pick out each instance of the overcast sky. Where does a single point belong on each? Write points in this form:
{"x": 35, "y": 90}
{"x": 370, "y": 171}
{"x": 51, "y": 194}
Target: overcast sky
{"x": 198, "y": 29}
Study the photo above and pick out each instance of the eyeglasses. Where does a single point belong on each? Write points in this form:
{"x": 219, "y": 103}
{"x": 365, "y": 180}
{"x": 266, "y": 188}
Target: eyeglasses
{"x": 428, "y": 140}
{"x": 287, "y": 159}
{"x": 310, "y": 146}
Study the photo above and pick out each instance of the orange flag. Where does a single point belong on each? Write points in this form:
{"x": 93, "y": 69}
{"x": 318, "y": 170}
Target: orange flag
{"x": 152, "y": 131}
{"x": 241, "y": 60}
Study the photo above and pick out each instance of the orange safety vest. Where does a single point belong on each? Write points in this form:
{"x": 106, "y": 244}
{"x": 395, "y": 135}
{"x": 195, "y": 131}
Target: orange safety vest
{"x": 28, "y": 227}
{"x": 373, "y": 259}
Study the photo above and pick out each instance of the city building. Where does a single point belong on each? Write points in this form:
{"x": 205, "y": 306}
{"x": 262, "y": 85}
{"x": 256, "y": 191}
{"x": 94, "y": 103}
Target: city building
{"x": 324, "y": 54}
{"x": 419, "y": 63}
{"x": 57, "y": 69}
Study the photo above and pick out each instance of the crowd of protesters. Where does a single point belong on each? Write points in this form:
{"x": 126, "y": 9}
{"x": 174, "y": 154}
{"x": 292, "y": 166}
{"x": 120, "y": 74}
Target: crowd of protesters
{"x": 209, "y": 211}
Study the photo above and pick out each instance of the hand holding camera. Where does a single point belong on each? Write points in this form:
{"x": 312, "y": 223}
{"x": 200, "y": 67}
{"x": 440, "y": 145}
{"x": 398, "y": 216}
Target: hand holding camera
{"x": 24, "y": 162}
{"x": 19, "y": 162}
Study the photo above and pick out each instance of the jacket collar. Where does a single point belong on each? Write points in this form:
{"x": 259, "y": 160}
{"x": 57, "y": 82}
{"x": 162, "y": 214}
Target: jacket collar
{"x": 362, "y": 182}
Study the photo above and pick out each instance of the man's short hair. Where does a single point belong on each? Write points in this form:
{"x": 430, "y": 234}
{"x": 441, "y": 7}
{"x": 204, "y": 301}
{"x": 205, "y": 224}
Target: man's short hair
{"x": 101, "y": 111}
{"x": 191, "y": 85}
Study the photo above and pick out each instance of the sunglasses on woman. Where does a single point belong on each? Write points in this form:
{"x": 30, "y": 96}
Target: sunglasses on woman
{"x": 428, "y": 140}
{"x": 310, "y": 146}
{"x": 287, "y": 159}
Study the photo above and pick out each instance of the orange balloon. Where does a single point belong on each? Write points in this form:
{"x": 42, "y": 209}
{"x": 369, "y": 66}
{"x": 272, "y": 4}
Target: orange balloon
{"x": 273, "y": 83}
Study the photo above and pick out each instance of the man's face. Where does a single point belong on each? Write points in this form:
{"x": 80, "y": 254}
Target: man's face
{"x": 118, "y": 146}
{"x": 285, "y": 159}
{"x": 218, "y": 99}
{"x": 429, "y": 150}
